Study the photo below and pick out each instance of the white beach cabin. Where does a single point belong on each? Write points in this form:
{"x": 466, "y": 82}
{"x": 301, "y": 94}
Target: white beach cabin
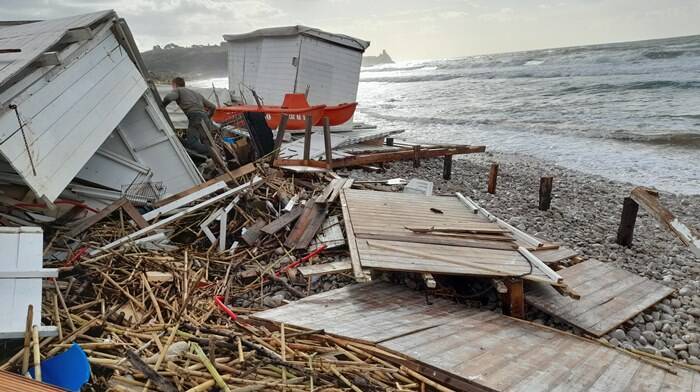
{"x": 75, "y": 103}
{"x": 280, "y": 60}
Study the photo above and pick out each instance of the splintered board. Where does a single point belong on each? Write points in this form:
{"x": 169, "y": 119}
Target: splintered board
{"x": 609, "y": 296}
{"x": 438, "y": 234}
{"x": 472, "y": 349}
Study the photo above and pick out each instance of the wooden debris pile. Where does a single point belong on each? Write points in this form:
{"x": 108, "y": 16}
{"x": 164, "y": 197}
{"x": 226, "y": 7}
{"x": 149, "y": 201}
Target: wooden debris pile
{"x": 165, "y": 309}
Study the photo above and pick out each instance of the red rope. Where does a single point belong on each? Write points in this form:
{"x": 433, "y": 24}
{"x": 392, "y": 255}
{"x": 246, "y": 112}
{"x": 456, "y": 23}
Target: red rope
{"x": 219, "y": 301}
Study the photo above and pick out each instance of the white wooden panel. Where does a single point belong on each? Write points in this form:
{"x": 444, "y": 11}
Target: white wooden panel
{"x": 70, "y": 117}
{"x": 345, "y": 64}
{"x": 156, "y": 146}
{"x": 22, "y": 249}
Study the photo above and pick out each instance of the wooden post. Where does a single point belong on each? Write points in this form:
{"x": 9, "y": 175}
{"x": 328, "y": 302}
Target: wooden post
{"x": 27, "y": 339}
{"x": 416, "y": 152}
{"x": 307, "y": 138}
{"x": 545, "y": 193}
{"x": 327, "y": 142}
{"x": 629, "y": 217}
{"x": 513, "y": 302}
{"x": 493, "y": 175}
{"x": 390, "y": 141}
{"x": 280, "y": 134}
{"x": 447, "y": 167}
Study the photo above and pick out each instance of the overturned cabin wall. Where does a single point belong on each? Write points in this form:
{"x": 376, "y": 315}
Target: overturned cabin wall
{"x": 68, "y": 108}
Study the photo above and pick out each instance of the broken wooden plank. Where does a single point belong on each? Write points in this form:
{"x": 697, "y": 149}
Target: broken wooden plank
{"x": 438, "y": 240}
{"x": 185, "y": 199}
{"x": 307, "y": 226}
{"x": 359, "y": 160}
{"x": 552, "y": 256}
{"x": 137, "y": 234}
{"x": 252, "y": 233}
{"x": 352, "y": 241}
{"x": 609, "y": 296}
{"x": 228, "y": 178}
{"x": 283, "y": 221}
{"x": 327, "y": 268}
{"x": 89, "y": 221}
{"x": 649, "y": 199}
{"x": 134, "y": 214}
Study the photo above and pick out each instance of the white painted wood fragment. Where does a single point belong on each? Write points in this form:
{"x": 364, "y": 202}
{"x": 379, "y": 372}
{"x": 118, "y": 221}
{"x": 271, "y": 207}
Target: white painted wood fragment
{"x": 539, "y": 264}
{"x": 21, "y": 276}
{"x": 137, "y": 234}
{"x": 184, "y": 200}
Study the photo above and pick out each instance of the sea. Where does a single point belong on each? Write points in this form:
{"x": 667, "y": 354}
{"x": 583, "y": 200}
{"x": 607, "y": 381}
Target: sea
{"x": 626, "y": 111}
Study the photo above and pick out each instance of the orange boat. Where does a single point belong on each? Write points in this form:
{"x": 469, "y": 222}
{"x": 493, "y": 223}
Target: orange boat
{"x": 296, "y": 107}
{"x": 339, "y": 114}
{"x": 273, "y": 114}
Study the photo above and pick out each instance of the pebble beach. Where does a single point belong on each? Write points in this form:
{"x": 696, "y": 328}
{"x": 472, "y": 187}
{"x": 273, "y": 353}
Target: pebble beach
{"x": 585, "y": 215}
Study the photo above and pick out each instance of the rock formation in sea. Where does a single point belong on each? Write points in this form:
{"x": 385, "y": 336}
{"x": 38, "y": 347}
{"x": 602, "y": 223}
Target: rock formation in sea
{"x": 383, "y": 58}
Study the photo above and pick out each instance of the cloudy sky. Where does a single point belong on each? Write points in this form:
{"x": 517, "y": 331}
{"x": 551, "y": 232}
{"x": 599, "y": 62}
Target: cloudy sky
{"x": 408, "y": 29}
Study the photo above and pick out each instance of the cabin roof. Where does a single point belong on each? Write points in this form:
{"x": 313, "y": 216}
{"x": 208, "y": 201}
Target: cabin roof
{"x": 35, "y": 38}
{"x": 287, "y": 31}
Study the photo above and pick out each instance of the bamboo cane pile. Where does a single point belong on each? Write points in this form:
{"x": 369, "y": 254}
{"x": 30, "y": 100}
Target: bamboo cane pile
{"x": 173, "y": 318}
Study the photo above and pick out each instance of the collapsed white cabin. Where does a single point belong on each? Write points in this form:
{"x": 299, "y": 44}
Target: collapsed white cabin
{"x": 280, "y": 60}
{"x": 75, "y": 104}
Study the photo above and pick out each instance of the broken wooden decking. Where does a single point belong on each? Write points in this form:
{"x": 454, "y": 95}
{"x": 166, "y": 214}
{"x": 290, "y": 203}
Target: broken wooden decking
{"x": 436, "y": 234}
{"x": 609, "y": 296}
{"x": 475, "y": 350}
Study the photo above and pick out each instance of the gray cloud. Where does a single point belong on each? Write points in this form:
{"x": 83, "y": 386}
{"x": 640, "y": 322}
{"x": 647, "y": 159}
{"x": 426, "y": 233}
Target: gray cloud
{"x": 409, "y": 29}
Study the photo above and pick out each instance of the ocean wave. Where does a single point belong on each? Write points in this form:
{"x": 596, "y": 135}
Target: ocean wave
{"x": 663, "y": 54}
{"x": 679, "y": 139}
{"x": 647, "y": 85}
{"x": 397, "y": 68}
{"x": 411, "y": 78}
{"x": 416, "y": 120}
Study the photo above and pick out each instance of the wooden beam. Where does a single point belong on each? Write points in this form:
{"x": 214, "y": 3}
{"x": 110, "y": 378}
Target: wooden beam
{"x": 416, "y": 156}
{"x": 77, "y": 35}
{"x": 307, "y": 137}
{"x": 514, "y": 299}
{"x": 493, "y": 177}
{"x": 280, "y": 135}
{"x": 424, "y": 153}
{"x": 282, "y": 222}
{"x": 545, "y": 193}
{"x": 625, "y": 232}
{"x": 48, "y": 59}
{"x": 185, "y": 199}
{"x": 88, "y": 222}
{"x": 214, "y": 149}
{"x": 327, "y": 142}
{"x": 134, "y": 214}
{"x": 649, "y": 199}
{"x": 326, "y": 268}
{"x": 352, "y": 242}
{"x": 300, "y": 162}
{"x": 228, "y": 178}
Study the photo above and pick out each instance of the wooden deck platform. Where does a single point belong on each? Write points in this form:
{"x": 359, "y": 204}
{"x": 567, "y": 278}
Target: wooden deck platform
{"x": 609, "y": 296}
{"x": 472, "y": 349}
{"x": 382, "y": 234}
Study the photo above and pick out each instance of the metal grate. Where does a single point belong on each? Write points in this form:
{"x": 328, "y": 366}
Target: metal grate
{"x": 143, "y": 192}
